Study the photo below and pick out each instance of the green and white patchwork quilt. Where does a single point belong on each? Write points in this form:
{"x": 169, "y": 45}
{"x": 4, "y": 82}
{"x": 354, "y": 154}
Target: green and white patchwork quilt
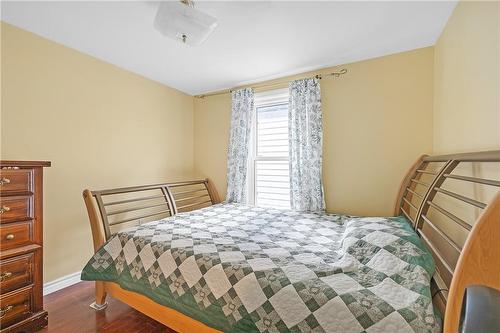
{"x": 240, "y": 268}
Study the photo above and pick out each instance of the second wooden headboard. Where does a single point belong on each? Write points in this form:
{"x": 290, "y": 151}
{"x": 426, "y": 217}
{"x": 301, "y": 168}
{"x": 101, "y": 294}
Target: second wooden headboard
{"x": 456, "y": 212}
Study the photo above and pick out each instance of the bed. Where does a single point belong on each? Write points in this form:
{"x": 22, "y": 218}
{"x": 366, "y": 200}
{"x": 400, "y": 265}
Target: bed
{"x": 198, "y": 265}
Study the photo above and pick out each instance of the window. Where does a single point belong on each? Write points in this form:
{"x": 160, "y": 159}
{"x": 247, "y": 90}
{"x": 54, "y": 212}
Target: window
{"x": 269, "y": 179}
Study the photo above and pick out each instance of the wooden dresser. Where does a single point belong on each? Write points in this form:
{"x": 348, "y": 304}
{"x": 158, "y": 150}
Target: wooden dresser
{"x": 21, "y": 244}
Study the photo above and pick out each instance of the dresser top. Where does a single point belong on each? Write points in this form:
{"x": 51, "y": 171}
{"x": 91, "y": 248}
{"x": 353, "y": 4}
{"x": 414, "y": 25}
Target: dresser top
{"x": 4, "y": 163}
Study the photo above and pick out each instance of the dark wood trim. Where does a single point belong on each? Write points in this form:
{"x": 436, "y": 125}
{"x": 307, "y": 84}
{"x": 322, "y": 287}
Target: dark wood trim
{"x": 32, "y": 324}
{"x": 24, "y": 164}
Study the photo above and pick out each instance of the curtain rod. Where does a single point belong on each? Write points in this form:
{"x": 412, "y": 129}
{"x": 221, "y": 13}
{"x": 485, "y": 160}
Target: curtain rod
{"x": 318, "y": 76}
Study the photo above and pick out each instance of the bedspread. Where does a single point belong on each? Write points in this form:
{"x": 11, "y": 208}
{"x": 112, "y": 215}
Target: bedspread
{"x": 240, "y": 268}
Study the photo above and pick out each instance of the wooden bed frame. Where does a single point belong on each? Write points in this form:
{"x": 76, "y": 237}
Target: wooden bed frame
{"x": 151, "y": 202}
{"x": 477, "y": 262}
{"x": 479, "y": 257}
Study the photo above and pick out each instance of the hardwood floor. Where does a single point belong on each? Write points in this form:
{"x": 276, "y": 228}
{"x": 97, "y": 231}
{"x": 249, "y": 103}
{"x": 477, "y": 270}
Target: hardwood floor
{"x": 69, "y": 312}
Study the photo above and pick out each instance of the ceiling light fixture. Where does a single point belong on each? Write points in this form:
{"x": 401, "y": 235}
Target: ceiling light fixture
{"x": 181, "y": 21}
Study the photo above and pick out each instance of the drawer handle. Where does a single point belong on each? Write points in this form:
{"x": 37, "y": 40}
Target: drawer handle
{"x": 9, "y": 237}
{"x": 5, "y": 310}
{"x": 4, "y": 209}
{"x": 4, "y": 276}
{"x": 4, "y": 181}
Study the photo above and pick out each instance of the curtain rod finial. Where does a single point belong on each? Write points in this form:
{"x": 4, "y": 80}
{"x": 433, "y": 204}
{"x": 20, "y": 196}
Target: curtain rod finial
{"x": 341, "y": 72}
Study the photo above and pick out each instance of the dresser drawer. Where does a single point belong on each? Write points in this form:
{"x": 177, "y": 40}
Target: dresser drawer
{"x": 17, "y": 208}
{"x": 16, "y": 272}
{"x": 13, "y": 235}
{"x": 16, "y": 180}
{"x": 16, "y": 306}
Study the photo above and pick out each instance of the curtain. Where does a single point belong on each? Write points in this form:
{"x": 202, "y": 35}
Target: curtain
{"x": 305, "y": 141}
{"x": 239, "y": 141}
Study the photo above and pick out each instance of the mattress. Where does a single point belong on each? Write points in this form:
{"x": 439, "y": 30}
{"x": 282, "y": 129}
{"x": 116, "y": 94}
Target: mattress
{"x": 241, "y": 268}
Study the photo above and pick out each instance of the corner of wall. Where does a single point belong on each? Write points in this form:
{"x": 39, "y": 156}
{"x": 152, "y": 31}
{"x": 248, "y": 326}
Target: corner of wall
{"x": 466, "y": 103}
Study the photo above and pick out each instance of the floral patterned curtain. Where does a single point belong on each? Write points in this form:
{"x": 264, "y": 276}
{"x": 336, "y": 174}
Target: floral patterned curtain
{"x": 239, "y": 140}
{"x": 306, "y": 141}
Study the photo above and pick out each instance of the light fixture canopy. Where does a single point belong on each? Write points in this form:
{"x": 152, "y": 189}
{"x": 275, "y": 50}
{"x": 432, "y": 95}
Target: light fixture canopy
{"x": 181, "y": 21}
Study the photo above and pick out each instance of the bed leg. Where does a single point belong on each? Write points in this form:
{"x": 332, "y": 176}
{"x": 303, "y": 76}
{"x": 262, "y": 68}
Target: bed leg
{"x": 100, "y": 297}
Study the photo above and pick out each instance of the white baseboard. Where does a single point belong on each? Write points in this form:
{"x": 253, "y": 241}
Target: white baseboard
{"x": 61, "y": 283}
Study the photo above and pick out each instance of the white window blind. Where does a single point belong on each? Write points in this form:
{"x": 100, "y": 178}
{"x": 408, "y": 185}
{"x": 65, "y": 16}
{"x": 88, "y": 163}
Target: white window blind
{"x": 269, "y": 158}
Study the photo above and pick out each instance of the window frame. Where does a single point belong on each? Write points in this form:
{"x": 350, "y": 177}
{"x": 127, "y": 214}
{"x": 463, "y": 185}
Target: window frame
{"x": 262, "y": 99}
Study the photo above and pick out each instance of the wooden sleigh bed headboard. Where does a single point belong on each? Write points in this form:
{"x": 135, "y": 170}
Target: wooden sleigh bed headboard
{"x": 437, "y": 195}
{"x": 444, "y": 197}
{"x": 124, "y": 206}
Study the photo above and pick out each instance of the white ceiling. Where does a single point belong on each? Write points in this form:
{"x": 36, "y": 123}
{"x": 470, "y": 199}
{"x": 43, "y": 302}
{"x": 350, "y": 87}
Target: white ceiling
{"x": 254, "y": 41}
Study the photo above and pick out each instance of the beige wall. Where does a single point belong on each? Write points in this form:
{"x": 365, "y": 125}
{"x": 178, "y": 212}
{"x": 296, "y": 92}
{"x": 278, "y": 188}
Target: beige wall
{"x": 377, "y": 120}
{"x": 101, "y": 127}
{"x": 467, "y": 102}
{"x": 467, "y": 80}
